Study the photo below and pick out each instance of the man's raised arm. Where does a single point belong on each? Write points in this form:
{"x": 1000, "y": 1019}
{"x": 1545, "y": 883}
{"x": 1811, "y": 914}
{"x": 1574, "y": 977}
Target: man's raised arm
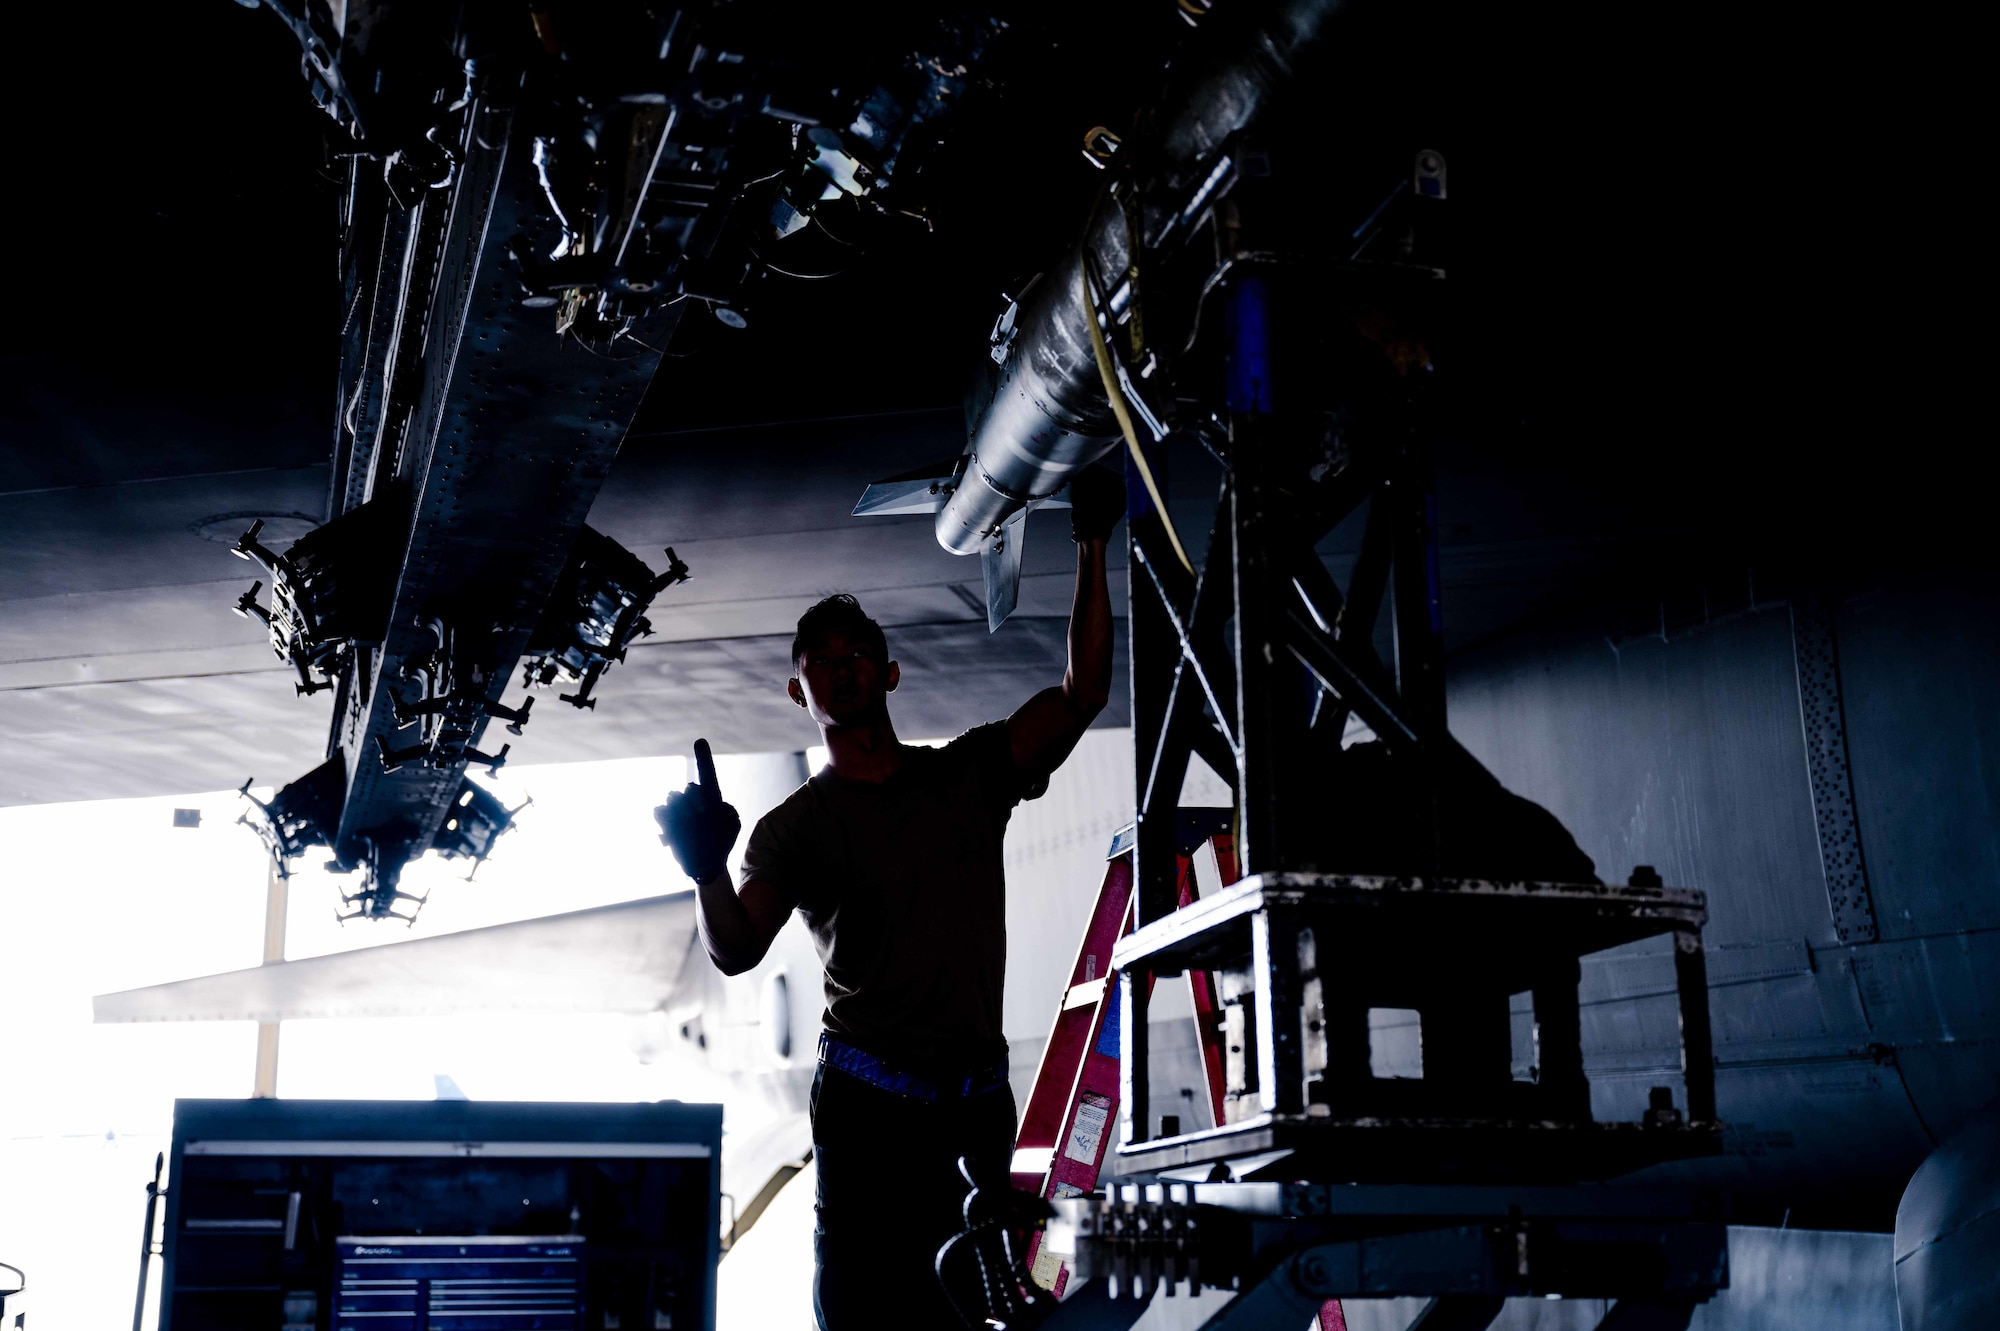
{"x": 737, "y": 926}
{"x": 1046, "y": 727}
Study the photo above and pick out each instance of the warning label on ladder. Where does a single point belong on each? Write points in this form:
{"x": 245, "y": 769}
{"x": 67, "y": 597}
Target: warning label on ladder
{"x": 1086, "y": 1134}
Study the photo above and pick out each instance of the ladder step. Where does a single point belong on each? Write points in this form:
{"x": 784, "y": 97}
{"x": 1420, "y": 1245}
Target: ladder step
{"x": 1085, "y": 994}
{"x": 1032, "y": 1160}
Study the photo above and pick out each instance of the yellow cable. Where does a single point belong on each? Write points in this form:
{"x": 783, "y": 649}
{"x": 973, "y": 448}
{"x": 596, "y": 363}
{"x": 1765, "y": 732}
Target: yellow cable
{"x": 1124, "y": 415}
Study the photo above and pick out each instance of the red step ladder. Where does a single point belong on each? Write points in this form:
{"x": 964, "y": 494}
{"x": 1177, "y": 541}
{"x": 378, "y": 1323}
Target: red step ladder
{"x": 1075, "y": 1097}
{"x": 1073, "y": 1107}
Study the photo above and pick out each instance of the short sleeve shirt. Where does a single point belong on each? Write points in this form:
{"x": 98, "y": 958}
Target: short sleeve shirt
{"x": 902, "y": 884}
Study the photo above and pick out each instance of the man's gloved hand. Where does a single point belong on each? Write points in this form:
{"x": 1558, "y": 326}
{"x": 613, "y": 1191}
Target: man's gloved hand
{"x": 701, "y": 828}
{"x": 984, "y": 1268}
{"x": 1096, "y": 502}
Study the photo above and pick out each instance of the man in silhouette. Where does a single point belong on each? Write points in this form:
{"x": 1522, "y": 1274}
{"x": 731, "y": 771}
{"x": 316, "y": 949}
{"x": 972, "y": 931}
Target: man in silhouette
{"x": 893, "y": 855}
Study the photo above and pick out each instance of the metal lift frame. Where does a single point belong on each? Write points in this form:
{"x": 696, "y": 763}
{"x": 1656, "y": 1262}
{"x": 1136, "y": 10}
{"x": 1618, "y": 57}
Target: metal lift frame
{"x": 1254, "y": 661}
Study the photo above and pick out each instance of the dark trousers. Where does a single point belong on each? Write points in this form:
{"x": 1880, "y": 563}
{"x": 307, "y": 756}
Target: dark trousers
{"x": 890, "y": 1194}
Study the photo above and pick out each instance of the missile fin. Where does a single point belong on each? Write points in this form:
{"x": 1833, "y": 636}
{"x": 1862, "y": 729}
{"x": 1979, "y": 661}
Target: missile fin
{"x": 1000, "y": 561}
{"x": 921, "y": 491}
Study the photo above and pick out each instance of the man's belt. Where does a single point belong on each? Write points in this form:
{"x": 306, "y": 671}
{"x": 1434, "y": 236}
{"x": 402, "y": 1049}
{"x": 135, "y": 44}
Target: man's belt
{"x": 864, "y": 1066}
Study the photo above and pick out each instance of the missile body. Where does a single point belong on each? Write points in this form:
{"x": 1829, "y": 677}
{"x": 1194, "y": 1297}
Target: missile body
{"x": 1048, "y": 416}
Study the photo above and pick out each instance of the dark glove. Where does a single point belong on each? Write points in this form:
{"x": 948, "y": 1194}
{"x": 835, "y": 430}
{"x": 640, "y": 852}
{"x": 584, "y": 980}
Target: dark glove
{"x": 984, "y": 1268}
{"x": 701, "y": 829}
{"x": 1096, "y": 502}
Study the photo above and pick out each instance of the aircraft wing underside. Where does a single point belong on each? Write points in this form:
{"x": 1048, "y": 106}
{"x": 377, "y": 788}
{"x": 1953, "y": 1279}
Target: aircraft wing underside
{"x": 628, "y": 957}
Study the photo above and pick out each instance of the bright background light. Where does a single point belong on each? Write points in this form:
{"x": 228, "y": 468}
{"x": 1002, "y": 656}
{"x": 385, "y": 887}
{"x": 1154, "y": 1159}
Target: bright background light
{"x": 93, "y": 897}
{"x": 108, "y": 895}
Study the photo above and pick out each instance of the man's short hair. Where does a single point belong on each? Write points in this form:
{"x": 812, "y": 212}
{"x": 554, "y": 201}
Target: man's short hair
{"x": 839, "y": 613}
